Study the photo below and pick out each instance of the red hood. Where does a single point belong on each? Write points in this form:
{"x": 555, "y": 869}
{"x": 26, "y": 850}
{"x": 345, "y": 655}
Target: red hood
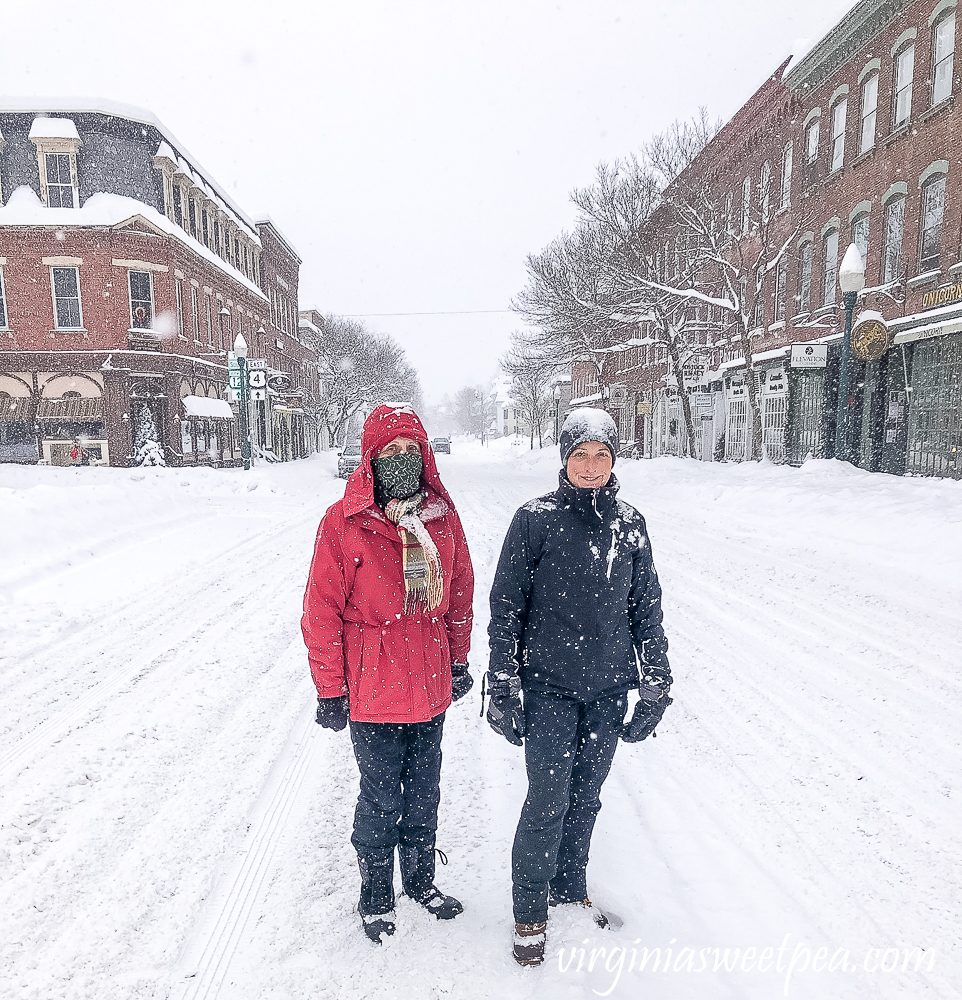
{"x": 385, "y": 424}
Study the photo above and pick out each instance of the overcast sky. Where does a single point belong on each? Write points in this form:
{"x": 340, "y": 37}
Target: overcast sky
{"x": 412, "y": 152}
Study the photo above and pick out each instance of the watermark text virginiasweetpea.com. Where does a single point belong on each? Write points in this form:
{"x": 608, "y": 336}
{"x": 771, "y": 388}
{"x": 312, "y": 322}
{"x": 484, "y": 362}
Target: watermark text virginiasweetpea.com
{"x": 790, "y": 959}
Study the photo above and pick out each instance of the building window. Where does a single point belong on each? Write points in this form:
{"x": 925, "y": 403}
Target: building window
{"x": 805, "y": 279}
{"x": 3, "y": 303}
{"x": 869, "y": 113}
{"x": 786, "y": 192}
{"x": 894, "y": 228}
{"x": 904, "y": 72}
{"x": 178, "y": 206}
{"x": 192, "y": 217}
{"x": 765, "y": 194}
{"x": 781, "y": 280}
{"x": 831, "y": 267}
{"x": 811, "y": 142}
{"x": 943, "y": 46}
{"x": 194, "y": 314}
{"x": 933, "y": 211}
{"x": 746, "y": 204}
{"x": 60, "y": 189}
{"x": 210, "y": 321}
{"x": 141, "y": 300}
{"x": 66, "y": 298}
{"x": 729, "y": 210}
{"x": 838, "y": 134}
{"x": 179, "y": 310}
{"x": 205, "y": 227}
{"x": 860, "y": 235}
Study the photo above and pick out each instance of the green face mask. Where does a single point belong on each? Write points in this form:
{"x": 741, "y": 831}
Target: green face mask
{"x": 397, "y": 477}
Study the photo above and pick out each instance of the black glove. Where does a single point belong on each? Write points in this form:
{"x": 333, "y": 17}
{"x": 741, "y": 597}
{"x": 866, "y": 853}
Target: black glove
{"x": 332, "y": 713}
{"x": 647, "y": 714}
{"x": 505, "y": 712}
{"x": 461, "y": 681}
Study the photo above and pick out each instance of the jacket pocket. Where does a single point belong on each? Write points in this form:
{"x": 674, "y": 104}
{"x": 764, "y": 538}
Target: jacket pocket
{"x": 370, "y": 683}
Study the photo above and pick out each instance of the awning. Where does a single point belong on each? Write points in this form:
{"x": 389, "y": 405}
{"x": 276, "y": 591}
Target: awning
{"x": 71, "y": 408}
{"x": 14, "y": 410}
{"x": 928, "y": 330}
{"x": 203, "y": 406}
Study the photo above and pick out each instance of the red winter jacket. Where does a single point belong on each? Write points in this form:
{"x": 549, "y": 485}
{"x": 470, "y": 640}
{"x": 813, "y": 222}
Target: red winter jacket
{"x": 395, "y": 667}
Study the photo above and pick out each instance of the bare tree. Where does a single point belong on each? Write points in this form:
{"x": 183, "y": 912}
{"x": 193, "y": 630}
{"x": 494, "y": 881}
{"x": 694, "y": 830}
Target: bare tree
{"x": 357, "y": 370}
{"x": 530, "y": 371}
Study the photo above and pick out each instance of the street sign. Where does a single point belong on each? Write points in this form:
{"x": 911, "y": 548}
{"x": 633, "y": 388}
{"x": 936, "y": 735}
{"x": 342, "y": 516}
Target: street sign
{"x": 809, "y": 355}
{"x": 257, "y": 379}
{"x": 255, "y": 364}
{"x": 234, "y": 395}
{"x": 258, "y": 395}
{"x": 234, "y": 380}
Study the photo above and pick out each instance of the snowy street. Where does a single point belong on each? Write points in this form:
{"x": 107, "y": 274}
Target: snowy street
{"x": 174, "y": 825}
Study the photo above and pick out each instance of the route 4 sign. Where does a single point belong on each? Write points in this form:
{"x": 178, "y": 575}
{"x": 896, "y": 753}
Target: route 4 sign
{"x": 257, "y": 378}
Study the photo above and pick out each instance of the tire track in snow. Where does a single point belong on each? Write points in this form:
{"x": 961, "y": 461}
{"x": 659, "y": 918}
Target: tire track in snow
{"x": 208, "y": 954}
{"x": 173, "y": 626}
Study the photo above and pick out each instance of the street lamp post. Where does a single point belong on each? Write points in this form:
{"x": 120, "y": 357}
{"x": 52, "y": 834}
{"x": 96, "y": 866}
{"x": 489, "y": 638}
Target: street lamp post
{"x": 240, "y": 350}
{"x": 851, "y": 278}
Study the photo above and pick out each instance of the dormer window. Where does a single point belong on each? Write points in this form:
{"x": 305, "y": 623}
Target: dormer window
{"x": 57, "y": 144}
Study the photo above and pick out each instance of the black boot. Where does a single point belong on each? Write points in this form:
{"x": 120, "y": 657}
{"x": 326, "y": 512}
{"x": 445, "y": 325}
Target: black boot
{"x": 376, "y": 905}
{"x": 417, "y": 877}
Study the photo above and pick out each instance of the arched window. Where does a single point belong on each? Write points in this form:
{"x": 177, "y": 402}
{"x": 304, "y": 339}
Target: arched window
{"x": 831, "y": 266}
{"x": 786, "y": 192}
{"x": 930, "y": 222}
{"x": 894, "y": 229}
{"x": 805, "y": 277}
{"x": 839, "y": 112}
{"x": 943, "y": 56}
{"x": 860, "y": 235}
{"x": 904, "y": 74}
{"x": 869, "y": 112}
{"x": 764, "y": 191}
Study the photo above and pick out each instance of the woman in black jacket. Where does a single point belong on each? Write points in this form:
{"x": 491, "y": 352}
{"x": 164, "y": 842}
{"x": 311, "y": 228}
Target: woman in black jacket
{"x": 575, "y": 624}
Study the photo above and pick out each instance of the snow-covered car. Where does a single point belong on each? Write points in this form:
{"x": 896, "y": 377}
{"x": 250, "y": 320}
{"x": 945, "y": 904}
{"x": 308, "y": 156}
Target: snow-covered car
{"x": 441, "y": 446}
{"x": 348, "y": 460}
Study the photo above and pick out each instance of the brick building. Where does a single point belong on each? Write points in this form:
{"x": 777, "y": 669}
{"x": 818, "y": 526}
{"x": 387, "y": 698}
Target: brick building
{"x": 125, "y": 275}
{"x": 856, "y": 141}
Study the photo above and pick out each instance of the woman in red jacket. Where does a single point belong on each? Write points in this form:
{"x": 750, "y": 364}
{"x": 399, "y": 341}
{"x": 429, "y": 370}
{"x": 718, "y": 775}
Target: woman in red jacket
{"x": 387, "y": 622}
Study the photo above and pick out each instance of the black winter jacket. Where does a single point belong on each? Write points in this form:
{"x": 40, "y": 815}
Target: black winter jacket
{"x": 576, "y": 596}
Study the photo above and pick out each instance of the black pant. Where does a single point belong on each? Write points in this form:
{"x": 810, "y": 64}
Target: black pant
{"x": 568, "y": 749}
{"x": 400, "y": 767}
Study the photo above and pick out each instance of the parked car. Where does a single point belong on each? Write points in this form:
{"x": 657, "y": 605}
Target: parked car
{"x": 348, "y": 459}
{"x": 441, "y": 446}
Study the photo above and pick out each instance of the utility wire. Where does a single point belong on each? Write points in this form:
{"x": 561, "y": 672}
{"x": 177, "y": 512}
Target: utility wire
{"x": 457, "y": 312}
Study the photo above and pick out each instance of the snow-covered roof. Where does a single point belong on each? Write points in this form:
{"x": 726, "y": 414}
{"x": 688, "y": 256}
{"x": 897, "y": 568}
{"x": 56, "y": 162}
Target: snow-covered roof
{"x": 266, "y": 220}
{"x": 116, "y": 109}
{"x": 24, "y": 208}
{"x": 53, "y": 128}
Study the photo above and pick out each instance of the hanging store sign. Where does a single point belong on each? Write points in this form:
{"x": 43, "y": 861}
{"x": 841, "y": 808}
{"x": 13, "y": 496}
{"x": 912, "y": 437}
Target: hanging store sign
{"x": 870, "y": 337}
{"x": 280, "y": 383}
{"x": 643, "y": 409}
{"x": 776, "y": 383}
{"x": 809, "y": 355}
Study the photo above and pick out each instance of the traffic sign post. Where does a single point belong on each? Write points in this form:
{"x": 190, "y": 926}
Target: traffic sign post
{"x": 240, "y": 350}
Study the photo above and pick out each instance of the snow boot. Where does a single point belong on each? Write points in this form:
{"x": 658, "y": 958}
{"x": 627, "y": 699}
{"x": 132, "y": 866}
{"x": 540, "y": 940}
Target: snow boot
{"x": 417, "y": 877}
{"x": 529, "y": 942}
{"x": 600, "y": 919}
{"x": 376, "y": 905}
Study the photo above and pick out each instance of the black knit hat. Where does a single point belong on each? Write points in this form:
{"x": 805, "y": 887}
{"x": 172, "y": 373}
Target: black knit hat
{"x": 588, "y": 424}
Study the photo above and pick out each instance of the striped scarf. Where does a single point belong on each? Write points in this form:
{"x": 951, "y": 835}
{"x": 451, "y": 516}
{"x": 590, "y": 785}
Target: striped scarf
{"x": 420, "y": 561}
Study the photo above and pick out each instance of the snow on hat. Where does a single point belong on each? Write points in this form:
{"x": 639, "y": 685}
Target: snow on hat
{"x": 588, "y": 424}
